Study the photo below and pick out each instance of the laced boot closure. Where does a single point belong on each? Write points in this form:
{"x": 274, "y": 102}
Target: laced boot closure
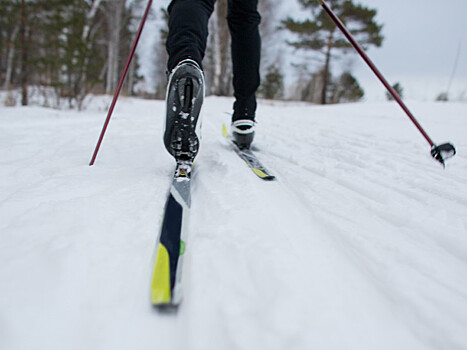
{"x": 185, "y": 95}
{"x": 243, "y": 132}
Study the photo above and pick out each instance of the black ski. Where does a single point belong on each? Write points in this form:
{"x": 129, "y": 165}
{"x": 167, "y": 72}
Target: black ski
{"x": 166, "y": 280}
{"x": 250, "y": 158}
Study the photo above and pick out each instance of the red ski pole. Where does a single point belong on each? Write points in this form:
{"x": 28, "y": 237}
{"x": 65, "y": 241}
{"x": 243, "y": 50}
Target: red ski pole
{"x": 120, "y": 84}
{"x": 441, "y": 152}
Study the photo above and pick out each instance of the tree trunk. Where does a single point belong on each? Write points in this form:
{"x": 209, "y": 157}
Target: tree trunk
{"x": 326, "y": 69}
{"x": 110, "y": 60}
{"x": 226, "y": 88}
{"x": 11, "y": 56}
{"x": 216, "y": 54}
{"x": 89, "y": 17}
{"x": 114, "y": 28}
{"x": 82, "y": 79}
{"x": 160, "y": 60}
{"x": 131, "y": 78}
{"x": 24, "y": 56}
{"x": 271, "y": 48}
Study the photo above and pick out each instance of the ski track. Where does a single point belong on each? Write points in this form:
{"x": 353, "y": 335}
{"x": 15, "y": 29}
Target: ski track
{"x": 360, "y": 243}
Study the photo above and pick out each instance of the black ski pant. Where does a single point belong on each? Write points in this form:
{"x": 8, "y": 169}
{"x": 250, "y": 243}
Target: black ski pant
{"x": 188, "y": 32}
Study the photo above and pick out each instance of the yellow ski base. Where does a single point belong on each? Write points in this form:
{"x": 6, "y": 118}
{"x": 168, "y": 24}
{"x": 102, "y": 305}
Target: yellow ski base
{"x": 260, "y": 173}
{"x": 160, "y": 287}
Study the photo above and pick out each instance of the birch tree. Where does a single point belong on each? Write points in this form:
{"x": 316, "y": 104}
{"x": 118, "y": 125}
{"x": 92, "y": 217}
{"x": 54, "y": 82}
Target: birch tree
{"x": 80, "y": 87}
{"x": 114, "y": 11}
{"x": 10, "y": 57}
{"x": 161, "y": 56}
{"x": 218, "y": 63}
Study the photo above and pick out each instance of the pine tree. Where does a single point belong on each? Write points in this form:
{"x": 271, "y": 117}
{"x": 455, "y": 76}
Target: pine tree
{"x": 319, "y": 33}
{"x": 272, "y": 86}
{"x": 346, "y": 89}
{"x": 399, "y": 89}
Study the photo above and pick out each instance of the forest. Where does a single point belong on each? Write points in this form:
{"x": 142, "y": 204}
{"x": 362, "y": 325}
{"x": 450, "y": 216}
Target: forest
{"x": 66, "y": 50}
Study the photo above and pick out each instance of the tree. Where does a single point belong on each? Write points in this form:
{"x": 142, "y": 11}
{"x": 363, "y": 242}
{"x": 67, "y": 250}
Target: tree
{"x": 161, "y": 56}
{"x": 218, "y": 64}
{"x": 114, "y": 24}
{"x": 24, "y": 35}
{"x": 120, "y": 18}
{"x": 320, "y": 34}
{"x": 86, "y": 25}
{"x": 443, "y": 97}
{"x": 271, "y": 47}
{"x": 272, "y": 86}
{"x": 67, "y": 48}
{"x": 346, "y": 89}
{"x": 9, "y": 30}
{"x": 56, "y": 41}
{"x": 399, "y": 89}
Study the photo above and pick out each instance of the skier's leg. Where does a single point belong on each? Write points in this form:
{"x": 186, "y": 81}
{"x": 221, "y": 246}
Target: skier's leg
{"x": 244, "y": 20}
{"x": 188, "y": 30}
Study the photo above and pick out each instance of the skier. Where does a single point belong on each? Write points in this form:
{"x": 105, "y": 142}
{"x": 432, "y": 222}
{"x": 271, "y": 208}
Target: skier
{"x": 186, "y": 44}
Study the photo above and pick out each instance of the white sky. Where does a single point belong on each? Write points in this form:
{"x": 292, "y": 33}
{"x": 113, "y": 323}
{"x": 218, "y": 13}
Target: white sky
{"x": 421, "y": 42}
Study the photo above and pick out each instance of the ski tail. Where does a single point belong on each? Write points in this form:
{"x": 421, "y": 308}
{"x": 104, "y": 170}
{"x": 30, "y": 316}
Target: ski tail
{"x": 225, "y": 133}
{"x": 161, "y": 291}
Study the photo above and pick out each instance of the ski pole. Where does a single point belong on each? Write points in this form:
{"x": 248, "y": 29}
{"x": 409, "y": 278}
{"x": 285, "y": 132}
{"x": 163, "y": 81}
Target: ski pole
{"x": 120, "y": 83}
{"x": 441, "y": 152}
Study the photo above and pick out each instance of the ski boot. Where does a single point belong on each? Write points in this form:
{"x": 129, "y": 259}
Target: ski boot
{"x": 243, "y": 132}
{"x": 185, "y": 95}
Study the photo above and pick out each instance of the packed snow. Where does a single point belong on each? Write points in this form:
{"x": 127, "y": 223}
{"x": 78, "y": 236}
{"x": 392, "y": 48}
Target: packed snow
{"x": 360, "y": 243}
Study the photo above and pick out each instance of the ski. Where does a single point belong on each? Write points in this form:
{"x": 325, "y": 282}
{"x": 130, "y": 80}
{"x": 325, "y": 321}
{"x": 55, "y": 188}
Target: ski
{"x": 250, "y": 158}
{"x": 166, "y": 289}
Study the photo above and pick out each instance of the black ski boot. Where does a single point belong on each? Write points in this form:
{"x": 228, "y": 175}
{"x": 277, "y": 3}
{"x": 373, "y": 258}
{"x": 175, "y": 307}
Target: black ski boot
{"x": 185, "y": 95}
{"x": 243, "y": 132}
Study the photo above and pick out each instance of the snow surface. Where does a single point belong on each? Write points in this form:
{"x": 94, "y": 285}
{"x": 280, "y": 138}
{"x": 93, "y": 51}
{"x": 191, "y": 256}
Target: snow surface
{"x": 361, "y": 243}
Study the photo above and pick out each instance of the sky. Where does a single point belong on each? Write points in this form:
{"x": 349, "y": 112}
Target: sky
{"x": 422, "y": 38}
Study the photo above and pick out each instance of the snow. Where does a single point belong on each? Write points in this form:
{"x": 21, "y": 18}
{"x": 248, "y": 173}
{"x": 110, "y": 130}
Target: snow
{"x": 360, "y": 243}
